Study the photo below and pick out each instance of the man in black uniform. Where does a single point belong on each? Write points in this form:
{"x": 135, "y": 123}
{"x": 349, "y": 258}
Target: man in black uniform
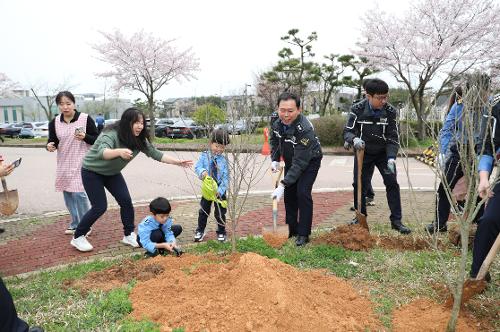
{"x": 370, "y": 193}
{"x": 294, "y": 139}
{"x": 372, "y": 126}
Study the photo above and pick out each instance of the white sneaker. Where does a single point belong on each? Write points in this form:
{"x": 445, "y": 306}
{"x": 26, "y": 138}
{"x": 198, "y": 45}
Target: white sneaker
{"x": 81, "y": 243}
{"x": 131, "y": 240}
{"x": 69, "y": 231}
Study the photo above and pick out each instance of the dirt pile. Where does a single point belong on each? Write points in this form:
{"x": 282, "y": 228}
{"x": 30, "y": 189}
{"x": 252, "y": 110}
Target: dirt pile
{"x": 355, "y": 237}
{"x": 275, "y": 239}
{"x": 425, "y": 315}
{"x": 250, "y": 293}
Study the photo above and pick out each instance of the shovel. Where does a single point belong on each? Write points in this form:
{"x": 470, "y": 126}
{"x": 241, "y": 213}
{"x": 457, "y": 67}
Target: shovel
{"x": 478, "y": 284}
{"x": 361, "y": 218}
{"x": 9, "y": 200}
{"x": 277, "y": 235}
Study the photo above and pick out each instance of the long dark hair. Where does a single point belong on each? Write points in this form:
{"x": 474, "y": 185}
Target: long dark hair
{"x": 124, "y": 129}
{"x": 455, "y": 96}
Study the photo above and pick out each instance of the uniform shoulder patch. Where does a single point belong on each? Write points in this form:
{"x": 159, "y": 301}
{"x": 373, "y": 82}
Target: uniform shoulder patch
{"x": 304, "y": 141}
{"x": 299, "y": 127}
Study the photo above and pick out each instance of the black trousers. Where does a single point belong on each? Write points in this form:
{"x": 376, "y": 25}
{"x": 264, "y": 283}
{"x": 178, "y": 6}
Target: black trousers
{"x": 157, "y": 236}
{"x": 204, "y": 212}
{"x": 390, "y": 182}
{"x": 298, "y": 200}
{"x": 487, "y": 231}
{"x": 453, "y": 172}
{"x": 94, "y": 185}
{"x": 9, "y": 321}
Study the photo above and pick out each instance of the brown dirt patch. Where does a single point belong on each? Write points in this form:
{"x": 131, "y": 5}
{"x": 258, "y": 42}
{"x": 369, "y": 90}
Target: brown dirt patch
{"x": 116, "y": 276}
{"x": 250, "y": 293}
{"x": 355, "y": 237}
{"x": 426, "y": 315}
{"x": 275, "y": 239}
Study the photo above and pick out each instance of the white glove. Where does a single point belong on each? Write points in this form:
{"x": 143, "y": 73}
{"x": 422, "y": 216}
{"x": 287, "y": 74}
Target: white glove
{"x": 358, "y": 143}
{"x": 274, "y": 166}
{"x": 278, "y": 192}
{"x": 391, "y": 165}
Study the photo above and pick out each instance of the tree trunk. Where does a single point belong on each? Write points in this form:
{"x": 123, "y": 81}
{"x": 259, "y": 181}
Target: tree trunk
{"x": 151, "y": 111}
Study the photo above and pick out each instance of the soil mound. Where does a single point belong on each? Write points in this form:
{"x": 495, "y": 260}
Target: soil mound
{"x": 250, "y": 293}
{"x": 355, "y": 237}
{"x": 425, "y": 315}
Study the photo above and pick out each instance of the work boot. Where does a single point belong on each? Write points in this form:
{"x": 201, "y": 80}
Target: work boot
{"x": 433, "y": 228}
{"x": 301, "y": 240}
{"x": 400, "y": 227}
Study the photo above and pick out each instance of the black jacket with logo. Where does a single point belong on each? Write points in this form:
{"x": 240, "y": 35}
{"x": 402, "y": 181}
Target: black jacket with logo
{"x": 298, "y": 145}
{"x": 380, "y": 133}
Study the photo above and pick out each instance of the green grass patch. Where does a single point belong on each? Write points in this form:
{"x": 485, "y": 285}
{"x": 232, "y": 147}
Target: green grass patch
{"x": 392, "y": 278}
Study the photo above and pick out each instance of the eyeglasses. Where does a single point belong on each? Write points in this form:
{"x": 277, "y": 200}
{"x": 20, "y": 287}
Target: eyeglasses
{"x": 381, "y": 97}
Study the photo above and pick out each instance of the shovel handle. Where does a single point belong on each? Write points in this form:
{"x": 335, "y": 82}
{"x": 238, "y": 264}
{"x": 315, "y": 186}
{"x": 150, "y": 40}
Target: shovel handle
{"x": 4, "y": 185}
{"x": 489, "y": 258}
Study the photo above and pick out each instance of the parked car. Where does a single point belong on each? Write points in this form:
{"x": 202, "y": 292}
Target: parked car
{"x": 42, "y": 130}
{"x": 110, "y": 122}
{"x": 12, "y": 130}
{"x": 238, "y": 127}
{"x": 160, "y": 126}
{"x": 185, "y": 128}
{"x": 26, "y": 133}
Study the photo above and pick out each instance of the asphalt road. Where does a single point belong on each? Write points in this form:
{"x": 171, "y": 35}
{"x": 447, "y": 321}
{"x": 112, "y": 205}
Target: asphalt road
{"x": 146, "y": 178}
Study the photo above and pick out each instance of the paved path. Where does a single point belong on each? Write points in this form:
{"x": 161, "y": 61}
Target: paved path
{"x": 147, "y": 179}
{"x": 39, "y": 243}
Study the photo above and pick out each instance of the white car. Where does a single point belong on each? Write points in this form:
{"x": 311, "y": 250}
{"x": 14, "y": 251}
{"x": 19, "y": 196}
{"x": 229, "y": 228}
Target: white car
{"x": 41, "y": 129}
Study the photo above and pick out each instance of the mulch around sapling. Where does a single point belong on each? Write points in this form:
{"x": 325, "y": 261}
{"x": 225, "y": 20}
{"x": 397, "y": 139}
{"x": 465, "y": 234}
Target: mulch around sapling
{"x": 357, "y": 238}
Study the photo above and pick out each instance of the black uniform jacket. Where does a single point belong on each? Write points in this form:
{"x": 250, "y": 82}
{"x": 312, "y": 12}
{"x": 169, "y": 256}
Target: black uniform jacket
{"x": 298, "y": 145}
{"x": 380, "y": 132}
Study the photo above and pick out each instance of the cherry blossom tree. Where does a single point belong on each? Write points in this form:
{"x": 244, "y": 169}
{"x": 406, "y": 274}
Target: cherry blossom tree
{"x": 435, "y": 41}
{"x": 6, "y": 85}
{"x": 145, "y": 63}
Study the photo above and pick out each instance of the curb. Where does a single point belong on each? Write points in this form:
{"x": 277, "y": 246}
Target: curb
{"x": 179, "y": 147}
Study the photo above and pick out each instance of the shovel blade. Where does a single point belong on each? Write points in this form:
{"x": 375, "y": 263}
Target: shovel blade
{"x": 9, "y": 202}
{"x": 362, "y": 220}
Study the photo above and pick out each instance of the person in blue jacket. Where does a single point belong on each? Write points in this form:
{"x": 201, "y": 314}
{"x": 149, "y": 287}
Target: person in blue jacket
{"x": 157, "y": 233}
{"x": 453, "y": 140}
{"x": 213, "y": 163}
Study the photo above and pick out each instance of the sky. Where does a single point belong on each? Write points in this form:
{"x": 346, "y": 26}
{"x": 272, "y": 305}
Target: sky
{"x": 48, "y": 43}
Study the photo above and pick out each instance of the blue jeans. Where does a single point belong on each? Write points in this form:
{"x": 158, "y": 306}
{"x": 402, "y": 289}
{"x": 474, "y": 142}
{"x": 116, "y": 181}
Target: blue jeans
{"x": 77, "y": 204}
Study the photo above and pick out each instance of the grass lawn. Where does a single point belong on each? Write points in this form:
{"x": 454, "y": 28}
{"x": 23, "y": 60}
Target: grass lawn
{"x": 391, "y": 278}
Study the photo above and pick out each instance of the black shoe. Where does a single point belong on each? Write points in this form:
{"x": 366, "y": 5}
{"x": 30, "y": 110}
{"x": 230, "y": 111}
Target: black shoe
{"x": 301, "y": 240}
{"x": 400, "y": 228}
{"x": 35, "y": 329}
{"x": 432, "y": 228}
{"x": 352, "y": 208}
{"x": 354, "y": 221}
{"x": 2, "y": 230}
{"x": 147, "y": 254}
{"x": 369, "y": 201}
